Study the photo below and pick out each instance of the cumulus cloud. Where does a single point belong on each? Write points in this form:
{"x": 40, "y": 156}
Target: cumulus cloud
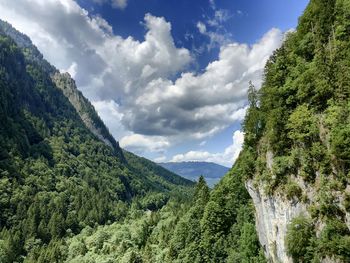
{"x": 143, "y": 89}
{"x": 138, "y": 143}
{"x": 110, "y": 113}
{"x": 108, "y": 66}
{"x": 200, "y": 105}
{"x": 227, "y": 158}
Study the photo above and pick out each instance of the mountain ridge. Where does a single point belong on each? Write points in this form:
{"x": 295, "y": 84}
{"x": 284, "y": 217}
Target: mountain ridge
{"x": 64, "y": 81}
{"x": 212, "y": 172}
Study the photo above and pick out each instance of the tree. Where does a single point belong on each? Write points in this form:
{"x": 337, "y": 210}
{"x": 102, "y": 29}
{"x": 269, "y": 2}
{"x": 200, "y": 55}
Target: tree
{"x": 253, "y": 122}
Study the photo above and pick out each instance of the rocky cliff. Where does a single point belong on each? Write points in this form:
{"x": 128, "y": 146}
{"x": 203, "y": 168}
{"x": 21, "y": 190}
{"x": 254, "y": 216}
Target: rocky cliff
{"x": 85, "y": 110}
{"x": 297, "y": 141}
{"x": 273, "y": 215}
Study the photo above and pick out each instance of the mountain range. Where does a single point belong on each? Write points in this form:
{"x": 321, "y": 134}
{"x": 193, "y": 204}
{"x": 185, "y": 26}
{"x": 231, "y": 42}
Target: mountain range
{"x": 212, "y": 172}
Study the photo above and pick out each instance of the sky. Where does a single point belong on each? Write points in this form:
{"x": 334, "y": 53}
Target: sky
{"x": 168, "y": 77}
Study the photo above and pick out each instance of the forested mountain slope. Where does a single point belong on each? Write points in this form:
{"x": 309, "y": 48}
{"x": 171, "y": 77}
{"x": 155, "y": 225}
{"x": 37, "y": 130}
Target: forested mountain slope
{"x": 64, "y": 82}
{"x": 297, "y": 141}
{"x": 57, "y": 176}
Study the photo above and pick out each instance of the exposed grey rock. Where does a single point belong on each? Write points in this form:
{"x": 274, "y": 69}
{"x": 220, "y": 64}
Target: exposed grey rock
{"x": 85, "y": 110}
{"x": 273, "y": 214}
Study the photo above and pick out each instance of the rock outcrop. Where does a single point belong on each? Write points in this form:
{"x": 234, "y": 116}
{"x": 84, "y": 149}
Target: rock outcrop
{"x": 273, "y": 214}
{"x": 85, "y": 110}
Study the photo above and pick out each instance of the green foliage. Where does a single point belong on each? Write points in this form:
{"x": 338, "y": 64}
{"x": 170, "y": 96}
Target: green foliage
{"x": 304, "y": 110}
{"x": 302, "y": 125}
{"x": 154, "y": 201}
{"x": 219, "y": 226}
{"x": 253, "y": 123}
{"x": 66, "y": 196}
{"x": 335, "y": 240}
{"x": 292, "y": 190}
{"x": 347, "y": 202}
{"x": 298, "y": 238}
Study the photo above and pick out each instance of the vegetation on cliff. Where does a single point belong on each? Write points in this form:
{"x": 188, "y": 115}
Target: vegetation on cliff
{"x": 297, "y": 130}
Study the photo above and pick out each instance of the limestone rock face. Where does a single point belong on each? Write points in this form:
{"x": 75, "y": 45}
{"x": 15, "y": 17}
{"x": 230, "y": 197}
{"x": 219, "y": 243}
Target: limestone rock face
{"x": 273, "y": 214}
{"x": 85, "y": 110}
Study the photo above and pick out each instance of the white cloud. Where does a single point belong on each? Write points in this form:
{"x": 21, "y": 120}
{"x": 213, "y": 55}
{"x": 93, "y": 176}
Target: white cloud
{"x": 121, "y": 4}
{"x": 140, "y": 143}
{"x": 201, "y": 27}
{"x": 72, "y": 70}
{"x": 133, "y": 83}
{"x": 216, "y": 38}
{"x": 159, "y": 159}
{"x": 226, "y": 158}
{"x": 110, "y": 113}
{"x": 103, "y": 24}
{"x": 64, "y": 32}
{"x": 220, "y": 16}
{"x": 200, "y": 105}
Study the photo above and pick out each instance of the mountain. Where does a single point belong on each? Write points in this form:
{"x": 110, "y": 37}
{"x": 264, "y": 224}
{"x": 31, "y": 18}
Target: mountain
{"x": 64, "y": 82}
{"x": 60, "y": 169}
{"x": 85, "y": 110}
{"x": 212, "y": 172}
{"x": 67, "y": 196}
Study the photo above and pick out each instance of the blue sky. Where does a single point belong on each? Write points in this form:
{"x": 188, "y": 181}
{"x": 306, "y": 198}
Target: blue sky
{"x": 247, "y": 22}
{"x": 168, "y": 77}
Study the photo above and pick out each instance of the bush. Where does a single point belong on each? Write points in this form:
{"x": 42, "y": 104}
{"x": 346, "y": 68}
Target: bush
{"x": 299, "y": 234}
{"x": 347, "y": 202}
{"x": 292, "y": 190}
{"x": 335, "y": 240}
{"x": 302, "y": 125}
{"x": 340, "y": 142}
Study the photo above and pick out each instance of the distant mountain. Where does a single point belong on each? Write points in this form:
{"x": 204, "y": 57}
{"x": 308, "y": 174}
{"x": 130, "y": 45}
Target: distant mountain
{"x": 212, "y": 172}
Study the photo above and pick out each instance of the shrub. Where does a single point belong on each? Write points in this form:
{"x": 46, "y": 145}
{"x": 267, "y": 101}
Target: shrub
{"x": 347, "y": 202}
{"x": 292, "y": 190}
{"x": 299, "y": 234}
